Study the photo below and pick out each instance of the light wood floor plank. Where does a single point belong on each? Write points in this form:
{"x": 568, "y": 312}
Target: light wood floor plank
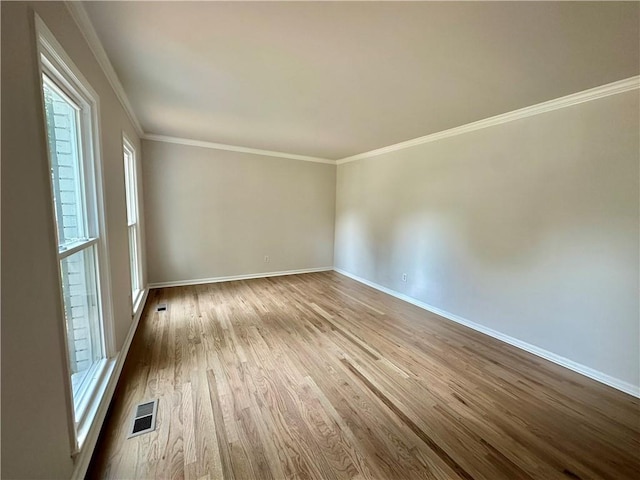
{"x": 317, "y": 376}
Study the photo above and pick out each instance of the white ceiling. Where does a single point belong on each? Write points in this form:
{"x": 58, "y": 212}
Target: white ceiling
{"x": 334, "y": 79}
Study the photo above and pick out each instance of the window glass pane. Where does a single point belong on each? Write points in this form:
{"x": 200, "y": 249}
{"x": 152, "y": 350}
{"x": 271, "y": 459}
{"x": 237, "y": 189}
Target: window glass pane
{"x": 82, "y": 316}
{"x": 62, "y": 116}
{"x": 132, "y": 220}
{"x": 130, "y": 190}
{"x": 133, "y": 259}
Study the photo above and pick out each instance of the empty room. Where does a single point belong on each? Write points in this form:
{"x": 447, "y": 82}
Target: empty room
{"x": 320, "y": 240}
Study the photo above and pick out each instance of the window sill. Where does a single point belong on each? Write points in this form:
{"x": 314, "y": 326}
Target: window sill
{"x": 137, "y": 302}
{"x": 91, "y": 402}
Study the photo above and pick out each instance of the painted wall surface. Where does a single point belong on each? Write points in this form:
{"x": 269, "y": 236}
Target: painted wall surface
{"x": 530, "y": 228}
{"x": 214, "y": 213}
{"x": 35, "y": 435}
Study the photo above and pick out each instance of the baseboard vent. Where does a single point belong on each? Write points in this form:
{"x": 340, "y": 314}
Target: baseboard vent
{"x": 144, "y": 419}
{"x": 162, "y": 307}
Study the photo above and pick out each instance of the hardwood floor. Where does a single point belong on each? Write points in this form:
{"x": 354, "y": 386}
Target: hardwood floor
{"x": 317, "y": 377}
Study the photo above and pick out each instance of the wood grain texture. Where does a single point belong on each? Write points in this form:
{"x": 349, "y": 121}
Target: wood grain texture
{"x": 316, "y": 376}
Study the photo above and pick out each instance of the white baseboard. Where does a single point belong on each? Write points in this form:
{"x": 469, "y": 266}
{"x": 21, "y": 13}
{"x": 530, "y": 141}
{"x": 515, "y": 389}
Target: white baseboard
{"x": 200, "y": 281}
{"x": 540, "y": 352}
{"x": 83, "y": 458}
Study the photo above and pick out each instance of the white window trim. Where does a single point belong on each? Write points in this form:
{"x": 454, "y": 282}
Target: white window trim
{"x": 52, "y": 58}
{"x": 136, "y": 300}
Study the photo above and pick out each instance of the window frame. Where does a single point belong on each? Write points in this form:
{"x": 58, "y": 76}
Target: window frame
{"x": 53, "y": 62}
{"x": 132, "y": 194}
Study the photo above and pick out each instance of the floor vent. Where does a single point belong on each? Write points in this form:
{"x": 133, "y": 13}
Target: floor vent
{"x": 144, "y": 419}
{"x": 162, "y": 307}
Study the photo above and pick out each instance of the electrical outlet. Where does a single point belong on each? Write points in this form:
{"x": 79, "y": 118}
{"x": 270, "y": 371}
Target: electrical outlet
{"x": 266, "y": 259}
{"x": 404, "y": 277}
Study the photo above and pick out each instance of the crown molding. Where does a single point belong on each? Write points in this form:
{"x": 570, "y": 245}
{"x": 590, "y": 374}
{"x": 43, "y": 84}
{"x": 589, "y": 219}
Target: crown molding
{"x": 614, "y": 88}
{"x": 235, "y": 148}
{"x": 80, "y": 16}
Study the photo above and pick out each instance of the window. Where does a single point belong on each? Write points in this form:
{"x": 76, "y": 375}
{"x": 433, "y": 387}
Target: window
{"x": 131, "y": 188}
{"x": 71, "y": 115}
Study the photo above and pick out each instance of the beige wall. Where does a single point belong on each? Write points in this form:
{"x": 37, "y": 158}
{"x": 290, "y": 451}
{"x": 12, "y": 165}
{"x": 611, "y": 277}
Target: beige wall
{"x": 214, "y": 213}
{"x": 529, "y": 228}
{"x": 35, "y": 436}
